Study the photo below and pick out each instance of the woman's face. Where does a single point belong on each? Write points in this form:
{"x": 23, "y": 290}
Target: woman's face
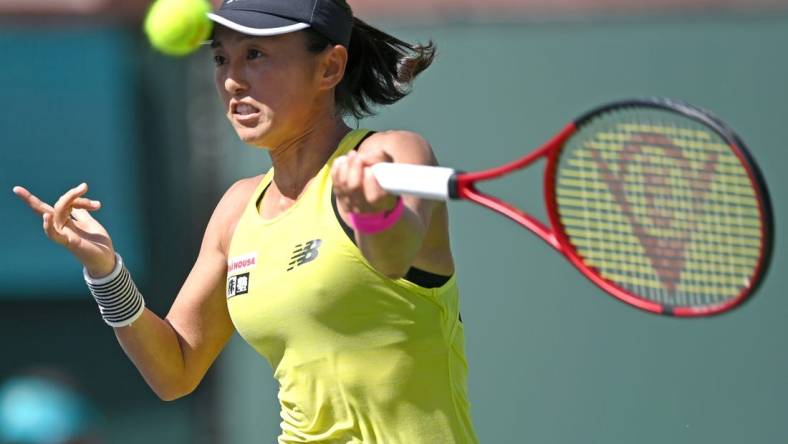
{"x": 269, "y": 85}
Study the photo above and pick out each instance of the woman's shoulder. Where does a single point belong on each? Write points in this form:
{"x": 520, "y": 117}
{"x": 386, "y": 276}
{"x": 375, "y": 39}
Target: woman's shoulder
{"x": 402, "y": 145}
{"x": 395, "y": 136}
{"x": 243, "y": 188}
{"x": 237, "y": 196}
{"x": 231, "y": 206}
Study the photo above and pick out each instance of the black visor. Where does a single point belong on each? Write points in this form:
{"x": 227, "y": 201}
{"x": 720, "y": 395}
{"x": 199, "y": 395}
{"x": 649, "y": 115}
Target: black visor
{"x": 275, "y": 17}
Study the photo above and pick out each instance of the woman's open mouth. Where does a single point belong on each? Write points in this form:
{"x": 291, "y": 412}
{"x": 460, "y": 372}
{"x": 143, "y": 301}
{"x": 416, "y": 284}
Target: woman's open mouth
{"x": 244, "y": 112}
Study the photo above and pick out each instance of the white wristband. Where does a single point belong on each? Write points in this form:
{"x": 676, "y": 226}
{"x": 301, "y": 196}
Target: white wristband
{"x": 119, "y": 301}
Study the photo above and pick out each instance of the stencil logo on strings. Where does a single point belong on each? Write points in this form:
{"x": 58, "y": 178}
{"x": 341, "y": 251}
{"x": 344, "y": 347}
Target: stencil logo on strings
{"x": 642, "y": 181}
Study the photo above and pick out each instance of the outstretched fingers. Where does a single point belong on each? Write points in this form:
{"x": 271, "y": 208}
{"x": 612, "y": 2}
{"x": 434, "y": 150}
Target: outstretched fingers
{"x": 84, "y": 203}
{"x": 82, "y": 214}
{"x": 50, "y": 230}
{"x": 32, "y": 201}
{"x": 62, "y": 208}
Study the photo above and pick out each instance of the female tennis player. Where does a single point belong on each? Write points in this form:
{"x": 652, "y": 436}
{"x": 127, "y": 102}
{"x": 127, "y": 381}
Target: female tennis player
{"x": 349, "y": 292}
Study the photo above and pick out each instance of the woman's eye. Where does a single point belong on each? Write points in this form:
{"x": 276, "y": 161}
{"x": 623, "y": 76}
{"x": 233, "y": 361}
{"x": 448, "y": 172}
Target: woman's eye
{"x": 253, "y": 54}
{"x": 218, "y": 60}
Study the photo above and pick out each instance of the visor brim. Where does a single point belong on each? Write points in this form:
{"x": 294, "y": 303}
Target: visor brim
{"x": 255, "y": 23}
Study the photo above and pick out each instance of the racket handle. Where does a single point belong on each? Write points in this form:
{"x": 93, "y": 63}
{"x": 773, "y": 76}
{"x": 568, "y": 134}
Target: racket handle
{"x": 429, "y": 182}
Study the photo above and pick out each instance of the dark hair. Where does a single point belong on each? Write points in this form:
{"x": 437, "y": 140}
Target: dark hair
{"x": 380, "y": 67}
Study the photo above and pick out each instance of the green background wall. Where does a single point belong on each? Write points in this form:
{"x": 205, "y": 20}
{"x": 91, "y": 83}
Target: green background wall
{"x": 92, "y": 103}
{"x": 68, "y": 116}
{"x": 552, "y": 358}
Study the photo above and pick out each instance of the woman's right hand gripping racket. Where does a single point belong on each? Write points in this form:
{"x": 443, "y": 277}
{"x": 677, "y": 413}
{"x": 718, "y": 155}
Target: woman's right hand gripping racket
{"x": 654, "y": 200}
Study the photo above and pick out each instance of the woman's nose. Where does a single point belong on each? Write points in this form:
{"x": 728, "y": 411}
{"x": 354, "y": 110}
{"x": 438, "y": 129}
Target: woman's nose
{"x": 233, "y": 86}
{"x": 235, "y": 82}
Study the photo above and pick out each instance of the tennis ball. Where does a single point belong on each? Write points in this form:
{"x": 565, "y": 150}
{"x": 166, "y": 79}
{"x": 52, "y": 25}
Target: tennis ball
{"x": 177, "y": 27}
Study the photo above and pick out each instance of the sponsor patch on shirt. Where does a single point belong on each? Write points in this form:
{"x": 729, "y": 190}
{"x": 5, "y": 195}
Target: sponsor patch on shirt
{"x": 241, "y": 263}
{"x": 237, "y": 285}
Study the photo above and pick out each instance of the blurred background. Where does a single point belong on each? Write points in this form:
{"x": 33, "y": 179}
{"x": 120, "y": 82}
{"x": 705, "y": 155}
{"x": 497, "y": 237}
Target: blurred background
{"x": 552, "y": 358}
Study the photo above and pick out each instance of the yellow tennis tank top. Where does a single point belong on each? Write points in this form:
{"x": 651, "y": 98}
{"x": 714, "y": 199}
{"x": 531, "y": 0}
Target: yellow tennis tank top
{"x": 359, "y": 357}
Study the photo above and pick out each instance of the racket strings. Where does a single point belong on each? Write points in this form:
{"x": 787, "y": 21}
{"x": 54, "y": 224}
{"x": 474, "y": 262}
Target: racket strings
{"x": 659, "y": 205}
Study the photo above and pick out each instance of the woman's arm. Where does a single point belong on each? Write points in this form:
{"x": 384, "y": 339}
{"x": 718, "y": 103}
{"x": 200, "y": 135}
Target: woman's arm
{"x": 172, "y": 354}
{"x": 420, "y": 236}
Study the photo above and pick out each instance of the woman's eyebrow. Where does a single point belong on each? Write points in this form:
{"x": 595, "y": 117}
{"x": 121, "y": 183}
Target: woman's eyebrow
{"x": 215, "y": 43}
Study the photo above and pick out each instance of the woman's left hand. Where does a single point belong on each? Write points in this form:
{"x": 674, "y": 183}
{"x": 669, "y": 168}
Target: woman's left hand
{"x": 355, "y": 186}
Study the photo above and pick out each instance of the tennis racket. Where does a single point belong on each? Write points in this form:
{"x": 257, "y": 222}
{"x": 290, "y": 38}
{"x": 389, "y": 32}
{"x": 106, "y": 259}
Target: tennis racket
{"x": 654, "y": 200}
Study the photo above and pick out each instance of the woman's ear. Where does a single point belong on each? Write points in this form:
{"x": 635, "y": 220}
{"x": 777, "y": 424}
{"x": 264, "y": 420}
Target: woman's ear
{"x": 332, "y": 66}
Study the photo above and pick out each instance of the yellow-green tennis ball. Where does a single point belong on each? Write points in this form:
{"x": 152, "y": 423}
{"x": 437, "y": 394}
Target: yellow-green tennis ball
{"x": 178, "y": 27}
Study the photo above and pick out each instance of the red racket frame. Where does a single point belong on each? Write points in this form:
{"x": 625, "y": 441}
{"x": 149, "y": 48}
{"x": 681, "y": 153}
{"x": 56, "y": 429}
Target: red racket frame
{"x": 464, "y": 187}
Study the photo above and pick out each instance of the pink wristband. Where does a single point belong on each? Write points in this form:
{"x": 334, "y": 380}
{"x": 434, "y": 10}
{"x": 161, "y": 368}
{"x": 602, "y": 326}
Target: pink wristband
{"x": 377, "y": 222}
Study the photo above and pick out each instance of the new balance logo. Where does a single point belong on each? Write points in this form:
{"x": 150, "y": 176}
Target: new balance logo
{"x": 304, "y": 253}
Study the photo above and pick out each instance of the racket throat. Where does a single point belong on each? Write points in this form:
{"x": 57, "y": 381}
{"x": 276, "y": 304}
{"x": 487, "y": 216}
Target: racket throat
{"x": 469, "y": 192}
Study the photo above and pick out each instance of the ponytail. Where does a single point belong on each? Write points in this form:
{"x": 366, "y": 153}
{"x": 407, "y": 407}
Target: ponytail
{"x": 380, "y": 67}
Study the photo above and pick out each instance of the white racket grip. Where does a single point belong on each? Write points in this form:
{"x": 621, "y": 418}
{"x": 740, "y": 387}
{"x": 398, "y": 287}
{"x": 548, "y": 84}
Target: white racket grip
{"x": 429, "y": 182}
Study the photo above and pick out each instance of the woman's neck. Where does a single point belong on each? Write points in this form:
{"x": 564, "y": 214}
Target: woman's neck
{"x": 299, "y": 159}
